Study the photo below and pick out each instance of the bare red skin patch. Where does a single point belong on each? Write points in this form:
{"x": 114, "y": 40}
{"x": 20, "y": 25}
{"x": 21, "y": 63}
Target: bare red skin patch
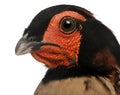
{"x": 69, "y": 43}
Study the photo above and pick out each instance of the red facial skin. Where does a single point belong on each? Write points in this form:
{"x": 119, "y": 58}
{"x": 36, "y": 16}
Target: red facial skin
{"x": 69, "y": 44}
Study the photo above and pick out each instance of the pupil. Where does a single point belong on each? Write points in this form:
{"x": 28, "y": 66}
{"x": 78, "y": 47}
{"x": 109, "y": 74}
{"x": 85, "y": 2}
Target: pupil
{"x": 67, "y": 24}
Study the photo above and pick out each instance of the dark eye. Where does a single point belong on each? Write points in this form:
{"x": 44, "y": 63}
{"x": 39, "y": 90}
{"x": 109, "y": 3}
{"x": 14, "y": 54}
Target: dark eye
{"x": 67, "y": 25}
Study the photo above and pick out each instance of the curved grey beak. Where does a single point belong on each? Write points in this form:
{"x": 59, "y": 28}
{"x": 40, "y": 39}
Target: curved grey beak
{"x": 25, "y": 46}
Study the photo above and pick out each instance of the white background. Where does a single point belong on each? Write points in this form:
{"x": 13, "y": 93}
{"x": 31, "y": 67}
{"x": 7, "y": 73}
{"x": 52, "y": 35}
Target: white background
{"x": 21, "y": 75}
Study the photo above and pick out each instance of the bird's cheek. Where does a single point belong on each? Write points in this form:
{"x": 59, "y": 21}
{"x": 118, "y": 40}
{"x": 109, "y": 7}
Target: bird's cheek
{"x": 54, "y": 56}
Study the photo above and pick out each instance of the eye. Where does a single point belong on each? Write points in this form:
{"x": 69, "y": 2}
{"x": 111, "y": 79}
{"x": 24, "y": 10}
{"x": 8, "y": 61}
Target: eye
{"x": 67, "y": 25}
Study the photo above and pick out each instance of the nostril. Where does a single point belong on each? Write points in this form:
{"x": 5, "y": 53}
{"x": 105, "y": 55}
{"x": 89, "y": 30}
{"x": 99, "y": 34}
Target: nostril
{"x": 31, "y": 38}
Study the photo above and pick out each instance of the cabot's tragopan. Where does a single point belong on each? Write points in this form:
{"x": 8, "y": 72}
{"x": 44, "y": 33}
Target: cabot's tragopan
{"x": 82, "y": 54}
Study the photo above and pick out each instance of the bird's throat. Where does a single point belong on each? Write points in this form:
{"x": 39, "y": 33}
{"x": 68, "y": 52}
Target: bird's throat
{"x": 55, "y": 56}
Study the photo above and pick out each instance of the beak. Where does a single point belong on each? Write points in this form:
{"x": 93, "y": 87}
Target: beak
{"x": 24, "y": 46}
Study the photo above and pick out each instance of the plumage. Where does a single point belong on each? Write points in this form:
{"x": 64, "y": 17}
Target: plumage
{"x": 82, "y": 54}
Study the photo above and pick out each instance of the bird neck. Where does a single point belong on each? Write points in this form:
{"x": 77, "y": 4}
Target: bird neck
{"x": 63, "y": 72}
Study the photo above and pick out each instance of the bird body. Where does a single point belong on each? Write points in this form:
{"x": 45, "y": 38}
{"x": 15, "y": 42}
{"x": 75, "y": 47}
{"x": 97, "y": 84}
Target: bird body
{"x": 82, "y": 54}
{"x": 86, "y": 85}
{"x": 72, "y": 82}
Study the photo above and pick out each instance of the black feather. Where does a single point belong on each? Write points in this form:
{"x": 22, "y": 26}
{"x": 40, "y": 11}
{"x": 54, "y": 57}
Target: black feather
{"x": 63, "y": 72}
{"x": 96, "y": 37}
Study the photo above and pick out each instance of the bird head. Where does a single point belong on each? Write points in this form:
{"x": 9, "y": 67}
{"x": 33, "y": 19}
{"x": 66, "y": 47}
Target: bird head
{"x": 67, "y": 35}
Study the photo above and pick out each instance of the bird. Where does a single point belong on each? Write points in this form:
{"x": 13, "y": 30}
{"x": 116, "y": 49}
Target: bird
{"x": 81, "y": 53}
